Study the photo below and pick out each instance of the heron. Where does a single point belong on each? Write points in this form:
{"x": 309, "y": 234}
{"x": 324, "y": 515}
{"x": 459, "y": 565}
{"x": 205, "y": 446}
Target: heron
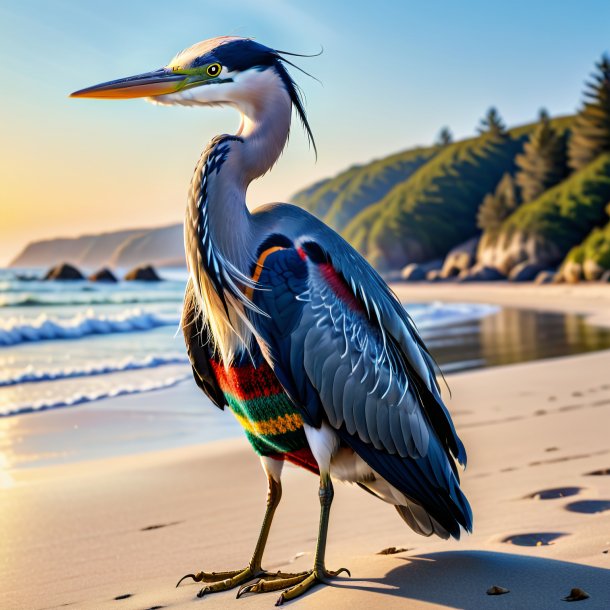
{"x": 291, "y": 328}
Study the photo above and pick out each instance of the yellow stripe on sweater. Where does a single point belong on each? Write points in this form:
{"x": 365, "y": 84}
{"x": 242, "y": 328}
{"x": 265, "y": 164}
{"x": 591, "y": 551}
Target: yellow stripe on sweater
{"x": 259, "y": 267}
{"x": 271, "y": 427}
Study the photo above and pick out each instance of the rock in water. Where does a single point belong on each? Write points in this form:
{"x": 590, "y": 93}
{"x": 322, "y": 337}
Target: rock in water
{"x": 576, "y": 595}
{"x": 145, "y": 273}
{"x": 495, "y": 590}
{"x": 103, "y": 275}
{"x": 64, "y": 271}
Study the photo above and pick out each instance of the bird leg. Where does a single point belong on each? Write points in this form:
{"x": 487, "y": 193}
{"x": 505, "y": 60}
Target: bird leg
{"x": 222, "y": 581}
{"x": 300, "y": 583}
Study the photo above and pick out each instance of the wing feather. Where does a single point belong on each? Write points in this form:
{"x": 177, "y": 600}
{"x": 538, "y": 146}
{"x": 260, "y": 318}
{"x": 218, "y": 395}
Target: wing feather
{"x": 361, "y": 366}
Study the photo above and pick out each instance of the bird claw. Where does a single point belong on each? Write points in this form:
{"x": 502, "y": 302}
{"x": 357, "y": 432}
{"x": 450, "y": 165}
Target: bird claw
{"x": 203, "y": 591}
{"x": 210, "y": 576}
{"x": 316, "y": 576}
{"x": 339, "y": 571}
{"x": 247, "y": 588}
{"x": 295, "y": 584}
{"x": 193, "y": 576}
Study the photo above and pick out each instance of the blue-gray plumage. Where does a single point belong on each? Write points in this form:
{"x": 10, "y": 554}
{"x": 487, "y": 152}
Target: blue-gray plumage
{"x": 288, "y": 325}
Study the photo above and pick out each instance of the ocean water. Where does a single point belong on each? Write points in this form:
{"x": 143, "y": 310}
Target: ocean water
{"x": 68, "y": 343}
{"x": 68, "y": 347}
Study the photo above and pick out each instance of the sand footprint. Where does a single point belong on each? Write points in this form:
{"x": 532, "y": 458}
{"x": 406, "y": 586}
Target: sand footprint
{"x": 554, "y": 493}
{"x": 589, "y": 507}
{"x": 534, "y": 538}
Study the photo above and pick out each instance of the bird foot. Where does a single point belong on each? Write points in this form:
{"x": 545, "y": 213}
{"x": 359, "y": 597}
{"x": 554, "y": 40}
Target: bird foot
{"x": 223, "y": 581}
{"x": 297, "y": 583}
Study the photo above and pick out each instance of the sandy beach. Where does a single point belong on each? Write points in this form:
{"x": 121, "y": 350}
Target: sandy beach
{"x": 119, "y": 532}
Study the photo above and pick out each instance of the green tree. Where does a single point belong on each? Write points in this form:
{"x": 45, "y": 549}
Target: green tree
{"x": 543, "y": 161}
{"x": 591, "y": 130}
{"x": 499, "y": 205}
{"x": 492, "y": 124}
{"x": 445, "y": 137}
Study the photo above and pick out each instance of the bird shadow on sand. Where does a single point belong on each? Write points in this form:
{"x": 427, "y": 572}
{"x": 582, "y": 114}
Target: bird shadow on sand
{"x": 460, "y": 579}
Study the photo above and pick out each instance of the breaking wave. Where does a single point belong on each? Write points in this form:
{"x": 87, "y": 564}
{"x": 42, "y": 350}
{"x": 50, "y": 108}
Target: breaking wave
{"x": 433, "y": 315}
{"x": 16, "y": 330}
{"x": 29, "y": 300}
{"x": 79, "y": 399}
{"x": 30, "y": 375}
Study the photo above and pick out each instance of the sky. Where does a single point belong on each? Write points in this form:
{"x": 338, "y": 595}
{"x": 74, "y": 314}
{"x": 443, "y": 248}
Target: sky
{"x": 392, "y": 74}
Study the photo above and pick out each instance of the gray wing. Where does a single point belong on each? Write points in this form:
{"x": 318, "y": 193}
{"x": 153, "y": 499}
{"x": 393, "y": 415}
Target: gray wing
{"x": 385, "y": 332}
{"x": 338, "y": 357}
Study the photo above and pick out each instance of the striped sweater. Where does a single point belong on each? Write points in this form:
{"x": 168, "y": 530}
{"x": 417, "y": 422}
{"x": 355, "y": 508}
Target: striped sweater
{"x": 272, "y": 424}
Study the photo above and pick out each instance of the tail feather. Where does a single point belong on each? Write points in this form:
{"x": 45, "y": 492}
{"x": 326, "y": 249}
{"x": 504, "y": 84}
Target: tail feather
{"x": 428, "y": 507}
{"x": 420, "y": 521}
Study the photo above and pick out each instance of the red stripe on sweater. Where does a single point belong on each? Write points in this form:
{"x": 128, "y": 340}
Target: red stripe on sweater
{"x": 301, "y": 457}
{"x": 247, "y": 382}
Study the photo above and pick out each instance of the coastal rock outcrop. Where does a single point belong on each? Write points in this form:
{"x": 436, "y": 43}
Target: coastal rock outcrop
{"x": 103, "y": 275}
{"x": 460, "y": 258}
{"x": 571, "y": 272}
{"x": 145, "y": 273}
{"x": 504, "y": 252}
{"x": 545, "y": 277}
{"x": 592, "y": 270}
{"x": 481, "y": 273}
{"x": 63, "y": 271}
{"x": 416, "y": 272}
{"x": 525, "y": 272}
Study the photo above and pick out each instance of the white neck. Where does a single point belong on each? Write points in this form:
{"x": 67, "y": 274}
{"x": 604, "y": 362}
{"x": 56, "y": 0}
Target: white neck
{"x": 266, "y": 110}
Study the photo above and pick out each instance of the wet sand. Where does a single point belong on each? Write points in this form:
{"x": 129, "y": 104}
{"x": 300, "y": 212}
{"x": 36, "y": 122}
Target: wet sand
{"x": 81, "y": 535}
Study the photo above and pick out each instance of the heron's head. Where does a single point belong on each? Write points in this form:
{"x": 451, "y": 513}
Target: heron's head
{"x": 220, "y": 71}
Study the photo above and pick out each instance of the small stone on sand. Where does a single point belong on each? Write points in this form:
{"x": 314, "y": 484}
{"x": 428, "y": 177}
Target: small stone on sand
{"x": 576, "y": 595}
{"x": 495, "y": 590}
{"x": 392, "y": 550}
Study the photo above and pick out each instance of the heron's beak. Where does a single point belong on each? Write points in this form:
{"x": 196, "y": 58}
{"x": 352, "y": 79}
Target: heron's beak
{"x": 149, "y": 84}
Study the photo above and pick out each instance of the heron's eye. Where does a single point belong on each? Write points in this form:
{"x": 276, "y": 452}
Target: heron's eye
{"x": 213, "y": 69}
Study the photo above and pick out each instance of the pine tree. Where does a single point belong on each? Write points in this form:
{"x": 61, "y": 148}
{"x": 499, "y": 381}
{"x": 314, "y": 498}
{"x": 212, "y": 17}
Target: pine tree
{"x": 591, "y": 130}
{"x": 445, "y": 137}
{"x": 492, "y": 124}
{"x": 498, "y": 205}
{"x": 543, "y": 161}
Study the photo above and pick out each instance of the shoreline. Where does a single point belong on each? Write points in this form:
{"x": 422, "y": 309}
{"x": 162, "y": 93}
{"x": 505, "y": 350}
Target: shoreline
{"x": 82, "y": 534}
{"x": 590, "y": 300}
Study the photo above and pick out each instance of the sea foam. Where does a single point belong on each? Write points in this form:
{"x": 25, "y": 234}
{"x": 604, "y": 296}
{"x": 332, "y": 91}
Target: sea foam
{"x": 85, "y": 299}
{"x": 436, "y": 315}
{"x": 16, "y": 330}
{"x": 31, "y": 375}
{"x": 79, "y": 399}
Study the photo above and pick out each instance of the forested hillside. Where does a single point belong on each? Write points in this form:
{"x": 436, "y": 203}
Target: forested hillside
{"x": 531, "y": 194}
